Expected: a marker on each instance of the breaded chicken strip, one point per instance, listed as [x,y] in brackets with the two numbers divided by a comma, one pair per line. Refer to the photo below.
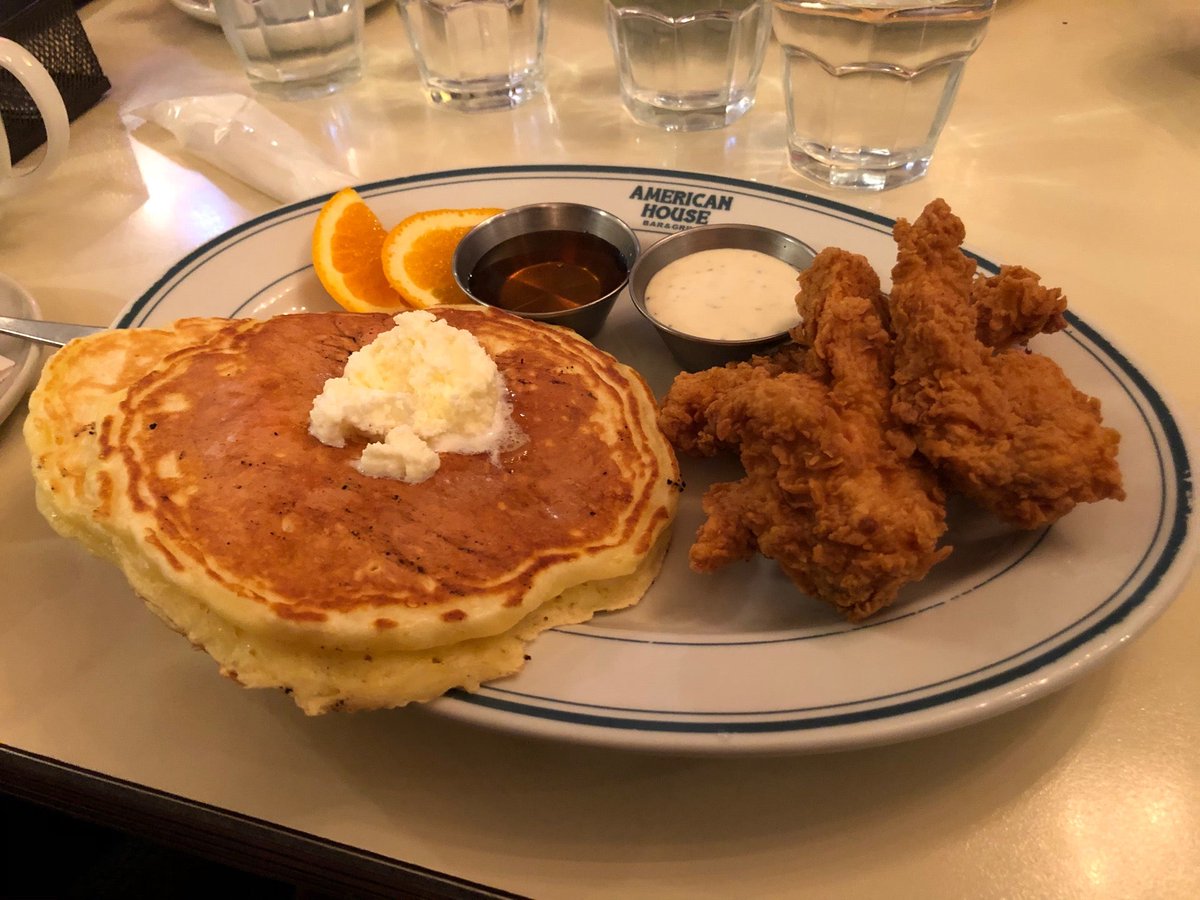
[1013,306]
[832,490]
[1005,428]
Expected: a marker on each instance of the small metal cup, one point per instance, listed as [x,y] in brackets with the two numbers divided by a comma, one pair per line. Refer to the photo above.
[695,353]
[541,217]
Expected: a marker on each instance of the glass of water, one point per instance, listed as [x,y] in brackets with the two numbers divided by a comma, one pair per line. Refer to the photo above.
[295,48]
[686,65]
[869,84]
[478,54]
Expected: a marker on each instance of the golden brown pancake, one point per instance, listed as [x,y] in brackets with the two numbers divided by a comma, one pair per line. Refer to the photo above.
[184,455]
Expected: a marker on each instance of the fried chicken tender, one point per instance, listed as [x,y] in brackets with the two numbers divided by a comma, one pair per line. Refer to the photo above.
[1006,428]
[832,490]
[1013,306]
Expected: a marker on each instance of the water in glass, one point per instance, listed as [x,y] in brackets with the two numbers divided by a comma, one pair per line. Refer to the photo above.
[688,66]
[296,48]
[869,84]
[478,54]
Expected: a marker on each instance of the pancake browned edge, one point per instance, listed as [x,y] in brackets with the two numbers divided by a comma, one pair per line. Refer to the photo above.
[183,455]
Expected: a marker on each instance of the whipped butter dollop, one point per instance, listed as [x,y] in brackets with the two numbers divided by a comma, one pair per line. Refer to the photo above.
[418,390]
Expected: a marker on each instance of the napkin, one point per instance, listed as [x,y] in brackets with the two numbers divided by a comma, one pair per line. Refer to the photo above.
[237,134]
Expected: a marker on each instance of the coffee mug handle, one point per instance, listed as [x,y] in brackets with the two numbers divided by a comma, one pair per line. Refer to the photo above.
[41,87]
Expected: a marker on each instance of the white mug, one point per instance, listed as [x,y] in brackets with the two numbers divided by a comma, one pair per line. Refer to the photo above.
[35,79]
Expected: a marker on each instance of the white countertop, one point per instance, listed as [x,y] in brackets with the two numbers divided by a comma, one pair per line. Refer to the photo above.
[1071,149]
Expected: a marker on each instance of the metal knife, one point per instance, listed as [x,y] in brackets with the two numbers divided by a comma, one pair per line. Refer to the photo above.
[53,333]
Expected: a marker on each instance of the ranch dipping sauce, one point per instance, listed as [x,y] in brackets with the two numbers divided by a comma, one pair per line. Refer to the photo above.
[725,295]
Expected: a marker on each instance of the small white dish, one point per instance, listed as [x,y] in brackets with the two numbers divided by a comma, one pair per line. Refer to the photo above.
[14,381]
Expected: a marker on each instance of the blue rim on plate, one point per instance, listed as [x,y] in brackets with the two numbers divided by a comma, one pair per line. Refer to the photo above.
[542,701]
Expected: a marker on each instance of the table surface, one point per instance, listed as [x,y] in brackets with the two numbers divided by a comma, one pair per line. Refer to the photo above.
[1071,150]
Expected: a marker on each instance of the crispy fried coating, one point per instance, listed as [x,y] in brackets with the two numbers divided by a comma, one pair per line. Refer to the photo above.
[1013,306]
[832,491]
[851,434]
[1006,428]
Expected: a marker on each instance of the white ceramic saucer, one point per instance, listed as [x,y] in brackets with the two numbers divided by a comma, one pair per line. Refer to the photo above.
[14,381]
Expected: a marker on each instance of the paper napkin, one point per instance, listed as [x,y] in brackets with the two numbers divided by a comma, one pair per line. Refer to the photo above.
[242,137]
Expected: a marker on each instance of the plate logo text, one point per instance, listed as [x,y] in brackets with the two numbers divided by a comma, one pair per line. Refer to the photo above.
[675,210]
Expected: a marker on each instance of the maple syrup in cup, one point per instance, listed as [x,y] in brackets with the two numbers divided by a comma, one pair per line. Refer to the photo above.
[548,271]
[561,263]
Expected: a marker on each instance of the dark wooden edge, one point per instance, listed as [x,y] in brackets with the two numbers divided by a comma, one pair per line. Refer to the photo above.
[222,836]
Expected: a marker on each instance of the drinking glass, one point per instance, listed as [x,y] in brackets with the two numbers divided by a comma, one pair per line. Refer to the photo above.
[478,54]
[869,84]
[688,66]
[295,48]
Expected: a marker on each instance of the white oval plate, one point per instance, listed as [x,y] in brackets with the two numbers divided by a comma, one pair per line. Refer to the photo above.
[26,355]
[740,661]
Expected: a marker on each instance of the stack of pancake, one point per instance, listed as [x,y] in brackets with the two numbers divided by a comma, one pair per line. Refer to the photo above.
[183,455]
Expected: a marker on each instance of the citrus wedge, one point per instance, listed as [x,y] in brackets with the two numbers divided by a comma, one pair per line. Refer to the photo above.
[347,240]
[417,254]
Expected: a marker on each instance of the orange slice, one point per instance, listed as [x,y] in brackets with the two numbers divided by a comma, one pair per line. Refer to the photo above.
[417,254]
[347,240]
